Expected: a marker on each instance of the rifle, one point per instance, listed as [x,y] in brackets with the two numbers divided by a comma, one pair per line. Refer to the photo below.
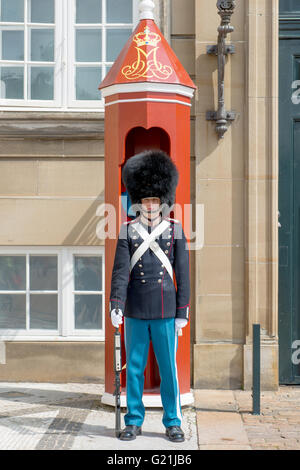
[118,369]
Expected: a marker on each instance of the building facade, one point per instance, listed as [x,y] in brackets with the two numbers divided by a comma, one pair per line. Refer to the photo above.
[52,186]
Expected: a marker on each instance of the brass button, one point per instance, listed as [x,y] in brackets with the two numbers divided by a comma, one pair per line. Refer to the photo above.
[161,273]
[140,259]
[166,251]
[143,280]
[134,237]
[168,244]
[170,236]
[136,244]
[170,229]
[162,265]
[140,265]
[158,280]
[142,274]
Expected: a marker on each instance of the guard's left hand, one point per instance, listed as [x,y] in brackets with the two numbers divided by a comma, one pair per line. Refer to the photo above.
[180,323]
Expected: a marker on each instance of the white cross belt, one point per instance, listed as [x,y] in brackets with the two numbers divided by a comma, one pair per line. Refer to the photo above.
[149,242]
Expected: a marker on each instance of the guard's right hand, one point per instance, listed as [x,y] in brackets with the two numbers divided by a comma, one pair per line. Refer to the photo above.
[116,318]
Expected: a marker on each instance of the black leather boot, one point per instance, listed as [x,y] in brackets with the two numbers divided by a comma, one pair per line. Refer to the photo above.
[130,432]
[175,433]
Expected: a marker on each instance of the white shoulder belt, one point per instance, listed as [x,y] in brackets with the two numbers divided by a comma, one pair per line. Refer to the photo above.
[149,242]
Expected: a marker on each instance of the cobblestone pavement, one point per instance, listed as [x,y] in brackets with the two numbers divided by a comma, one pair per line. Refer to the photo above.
[225,419]
[71,416]
[278,425]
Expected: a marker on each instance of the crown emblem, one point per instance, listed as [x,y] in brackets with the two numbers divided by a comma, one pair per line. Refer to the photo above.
[147,38]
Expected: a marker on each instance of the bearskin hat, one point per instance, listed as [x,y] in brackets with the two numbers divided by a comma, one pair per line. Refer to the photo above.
[151,173]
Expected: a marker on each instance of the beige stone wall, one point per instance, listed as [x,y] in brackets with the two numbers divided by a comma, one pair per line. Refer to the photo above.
[53,362]
[182,40]
[51,184]
[236,180]
[51,178]
[261,188]
[52,181]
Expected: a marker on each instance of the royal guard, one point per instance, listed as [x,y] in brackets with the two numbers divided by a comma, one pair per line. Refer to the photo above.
[149,249]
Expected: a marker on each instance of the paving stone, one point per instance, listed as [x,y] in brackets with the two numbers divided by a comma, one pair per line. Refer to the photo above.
[224,447]
[215,427]
[71,416]
[97,432]
[24,432]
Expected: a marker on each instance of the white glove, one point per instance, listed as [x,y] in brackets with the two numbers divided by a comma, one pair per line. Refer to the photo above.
[180,323]
[116,318]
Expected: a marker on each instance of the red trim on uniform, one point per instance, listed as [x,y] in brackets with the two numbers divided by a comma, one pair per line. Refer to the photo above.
[162,301]
[174,220]
[116,300]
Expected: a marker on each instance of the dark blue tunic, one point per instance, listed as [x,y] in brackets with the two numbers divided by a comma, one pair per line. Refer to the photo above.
[148,292]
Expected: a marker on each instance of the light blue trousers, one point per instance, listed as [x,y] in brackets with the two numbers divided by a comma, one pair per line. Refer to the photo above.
[165,342]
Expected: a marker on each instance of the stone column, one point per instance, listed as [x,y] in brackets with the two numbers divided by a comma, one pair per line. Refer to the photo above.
[261,188]
[162,15]
[219,265]
[237,181]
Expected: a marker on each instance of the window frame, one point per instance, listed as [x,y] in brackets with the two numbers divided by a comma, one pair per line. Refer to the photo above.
[71,65]
[64,65]
[65,287]
[26,63]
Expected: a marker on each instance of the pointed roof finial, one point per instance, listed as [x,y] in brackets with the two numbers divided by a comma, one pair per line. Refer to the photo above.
[146,8]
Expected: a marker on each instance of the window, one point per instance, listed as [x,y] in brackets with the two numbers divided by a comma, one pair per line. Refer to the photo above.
[29,56]
[58,293]
[55,53]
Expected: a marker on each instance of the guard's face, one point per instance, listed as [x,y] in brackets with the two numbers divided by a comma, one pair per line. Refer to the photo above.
[150,206]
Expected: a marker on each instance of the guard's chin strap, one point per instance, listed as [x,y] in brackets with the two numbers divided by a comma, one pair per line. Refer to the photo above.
[151,220]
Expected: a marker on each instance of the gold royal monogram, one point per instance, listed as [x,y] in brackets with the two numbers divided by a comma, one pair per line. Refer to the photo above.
[147,64]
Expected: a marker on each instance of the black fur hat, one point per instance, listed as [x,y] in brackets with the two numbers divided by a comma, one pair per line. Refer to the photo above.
[151,173]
